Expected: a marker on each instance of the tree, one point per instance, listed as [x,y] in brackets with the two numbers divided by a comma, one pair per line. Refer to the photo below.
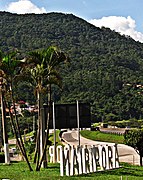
[4,122]
[106,65]
[45,72]
[11,68]
[37,74]
[54,58]
[134,138]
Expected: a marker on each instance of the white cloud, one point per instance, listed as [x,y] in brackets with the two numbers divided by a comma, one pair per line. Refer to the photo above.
[120,24]
[24,6]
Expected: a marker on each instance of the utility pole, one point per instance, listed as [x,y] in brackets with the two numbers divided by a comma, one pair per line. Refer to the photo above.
[5,136]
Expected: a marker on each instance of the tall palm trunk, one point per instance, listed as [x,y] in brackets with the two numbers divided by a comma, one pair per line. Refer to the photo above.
[49,116]
[17,131]
[37,144]
[38,132]
[21,147]
[41,134]
[5,136]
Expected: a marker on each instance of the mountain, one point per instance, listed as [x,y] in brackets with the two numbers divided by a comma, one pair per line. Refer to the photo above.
[106,68]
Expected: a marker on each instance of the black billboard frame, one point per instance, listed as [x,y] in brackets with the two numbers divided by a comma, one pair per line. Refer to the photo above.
[66,116]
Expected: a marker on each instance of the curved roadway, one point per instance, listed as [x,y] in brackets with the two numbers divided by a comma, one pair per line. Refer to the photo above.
[126,153]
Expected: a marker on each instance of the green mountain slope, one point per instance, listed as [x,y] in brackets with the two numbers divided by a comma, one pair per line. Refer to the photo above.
[106,68]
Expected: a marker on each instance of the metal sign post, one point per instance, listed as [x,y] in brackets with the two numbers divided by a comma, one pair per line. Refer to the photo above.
[54,127]
[78,124]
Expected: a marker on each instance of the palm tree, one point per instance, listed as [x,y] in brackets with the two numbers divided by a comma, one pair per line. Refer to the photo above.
[11,68]
[4,122]
[37,75]
[54,58]
[47,63]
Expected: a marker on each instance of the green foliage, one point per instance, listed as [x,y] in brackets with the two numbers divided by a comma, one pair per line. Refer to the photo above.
[131,123]
[30,148]
[96,124]
[105,69]
[51,138]
[26,123]
[134,138]
[24,91]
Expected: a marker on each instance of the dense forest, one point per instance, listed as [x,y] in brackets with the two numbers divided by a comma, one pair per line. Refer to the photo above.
[106,69]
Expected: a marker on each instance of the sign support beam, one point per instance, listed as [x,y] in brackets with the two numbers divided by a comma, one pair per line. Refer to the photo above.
[78,123]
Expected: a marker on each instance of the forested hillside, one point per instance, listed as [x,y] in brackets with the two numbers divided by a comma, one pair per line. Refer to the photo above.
[106,69]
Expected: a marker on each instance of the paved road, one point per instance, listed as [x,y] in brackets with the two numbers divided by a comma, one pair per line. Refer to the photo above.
[16,157]
[126,153]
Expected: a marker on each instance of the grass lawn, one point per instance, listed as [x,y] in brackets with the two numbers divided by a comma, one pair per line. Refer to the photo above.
[20,171]
[99,136]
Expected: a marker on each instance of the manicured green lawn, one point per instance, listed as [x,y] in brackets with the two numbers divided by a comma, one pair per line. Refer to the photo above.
[19,171]
[99,136]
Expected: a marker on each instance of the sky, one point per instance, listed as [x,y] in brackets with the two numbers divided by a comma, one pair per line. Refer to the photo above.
[123,16]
